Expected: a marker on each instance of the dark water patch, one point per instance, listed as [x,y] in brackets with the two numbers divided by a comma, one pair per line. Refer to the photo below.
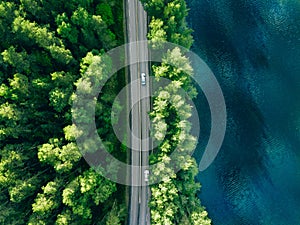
[253,48]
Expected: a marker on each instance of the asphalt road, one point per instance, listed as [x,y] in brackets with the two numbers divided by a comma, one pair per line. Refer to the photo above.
[136,19]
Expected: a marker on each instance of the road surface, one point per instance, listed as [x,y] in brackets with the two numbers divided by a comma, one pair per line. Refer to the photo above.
[136,20]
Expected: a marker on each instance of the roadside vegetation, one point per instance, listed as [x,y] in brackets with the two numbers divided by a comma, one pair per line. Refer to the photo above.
[45,48]
[174,200]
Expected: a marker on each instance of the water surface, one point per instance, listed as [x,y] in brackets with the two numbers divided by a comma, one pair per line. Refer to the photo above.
[253,48]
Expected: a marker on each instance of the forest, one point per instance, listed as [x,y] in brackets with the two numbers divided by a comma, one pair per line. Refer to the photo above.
[173,200]
[46,47]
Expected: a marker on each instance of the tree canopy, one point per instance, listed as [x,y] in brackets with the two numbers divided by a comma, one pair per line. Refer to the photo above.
[45,48]
[173,200]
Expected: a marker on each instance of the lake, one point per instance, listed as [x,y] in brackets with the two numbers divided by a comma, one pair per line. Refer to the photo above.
[253,48]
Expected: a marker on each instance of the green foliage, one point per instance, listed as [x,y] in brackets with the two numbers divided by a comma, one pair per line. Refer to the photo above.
[42,38]
[65,29]
[164,198]
[10,161]
[105,11]
[9,117]
[22,190]
[157,35]
[93,28]
[43,45]
[116,214]
[62,159]
[59,98]
[20,85]
[67,217]
[200,217]
[16,59]
[85,191]
[173,200]
[46,202]
[168,22]
[175,66]
[154,7]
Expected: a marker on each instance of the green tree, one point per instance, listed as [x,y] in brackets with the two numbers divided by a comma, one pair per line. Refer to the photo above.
[105,11]
[43,45]
[157,35]
[173,200]
[85,191]
[116,214]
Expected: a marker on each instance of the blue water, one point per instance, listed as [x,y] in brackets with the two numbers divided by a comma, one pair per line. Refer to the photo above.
[253,48]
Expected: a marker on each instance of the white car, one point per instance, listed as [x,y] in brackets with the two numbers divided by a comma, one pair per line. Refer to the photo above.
[146,173]
[143,79]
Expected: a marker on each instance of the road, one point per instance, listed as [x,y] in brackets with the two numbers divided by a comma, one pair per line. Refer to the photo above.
[136,20]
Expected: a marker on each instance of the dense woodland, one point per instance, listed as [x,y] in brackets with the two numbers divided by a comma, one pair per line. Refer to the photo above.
[46,47]
[173,200]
